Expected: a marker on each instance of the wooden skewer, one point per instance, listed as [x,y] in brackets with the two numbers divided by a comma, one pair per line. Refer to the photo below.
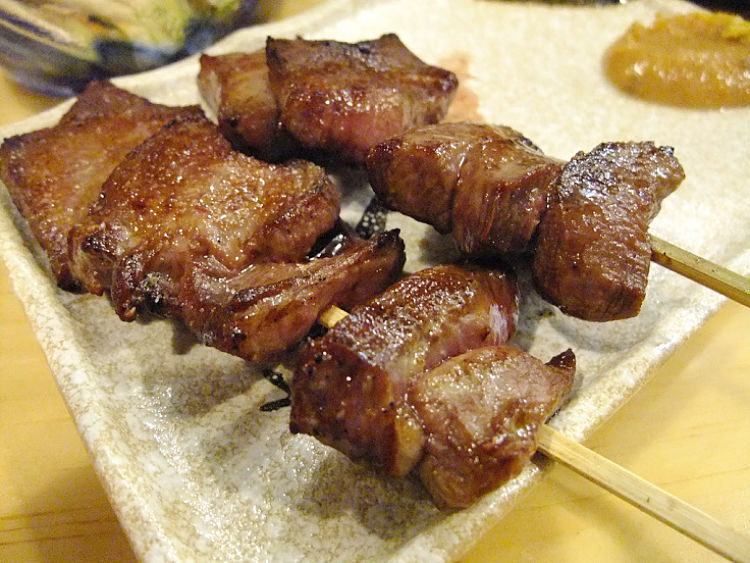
[699,269]
[331,316]
[637,491]
[642,494]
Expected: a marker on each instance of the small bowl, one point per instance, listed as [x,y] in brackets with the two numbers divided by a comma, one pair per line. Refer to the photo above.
[57,47]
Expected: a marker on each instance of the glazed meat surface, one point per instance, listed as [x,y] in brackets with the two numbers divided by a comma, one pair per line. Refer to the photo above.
[237,89]
[186,227]
[351,387]
[420,380]
[267,308]
[480,412]
[584,222]
[344,98]
[486,185]
[53,174]
[593,252]
[184,197]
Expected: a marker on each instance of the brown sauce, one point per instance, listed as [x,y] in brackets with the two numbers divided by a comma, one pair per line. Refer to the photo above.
[465,105]
[698,60]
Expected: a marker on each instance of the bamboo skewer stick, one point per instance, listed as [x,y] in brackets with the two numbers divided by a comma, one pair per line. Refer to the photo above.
[331,316]
[637,491]
[700,270]
[644,495]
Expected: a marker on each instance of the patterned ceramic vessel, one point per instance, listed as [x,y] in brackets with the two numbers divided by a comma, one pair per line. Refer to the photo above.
[57,46]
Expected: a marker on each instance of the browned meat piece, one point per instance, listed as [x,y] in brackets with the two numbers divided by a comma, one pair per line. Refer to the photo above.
[418,380]
[186,227]
[54,174]
[268,308]
[344,98]
[480,412]
[489,188]
[593,253]
[184,196]
[236,88]
[351,387]
[487,185]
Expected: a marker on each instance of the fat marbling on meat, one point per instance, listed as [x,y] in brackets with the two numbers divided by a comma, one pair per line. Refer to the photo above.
[375,385]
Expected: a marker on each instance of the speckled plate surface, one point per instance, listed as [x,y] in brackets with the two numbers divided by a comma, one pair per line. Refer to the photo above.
[196,472]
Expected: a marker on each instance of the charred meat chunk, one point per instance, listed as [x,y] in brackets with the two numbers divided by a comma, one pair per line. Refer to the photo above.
[343,98]
[419,380]
[593,252]
[236,88]
[585,222]
[486,185]
[184,196]
[480,412]
[54,174]
[179,224]
[267,308]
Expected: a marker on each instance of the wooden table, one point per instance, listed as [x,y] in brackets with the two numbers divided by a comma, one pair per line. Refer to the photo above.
[687,430]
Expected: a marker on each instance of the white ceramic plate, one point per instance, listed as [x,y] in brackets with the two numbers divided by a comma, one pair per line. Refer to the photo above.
[196,472]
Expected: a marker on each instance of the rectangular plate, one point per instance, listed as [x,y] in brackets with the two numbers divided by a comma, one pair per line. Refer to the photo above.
[196,472]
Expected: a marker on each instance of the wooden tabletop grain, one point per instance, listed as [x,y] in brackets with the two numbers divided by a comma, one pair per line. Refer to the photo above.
[687,430]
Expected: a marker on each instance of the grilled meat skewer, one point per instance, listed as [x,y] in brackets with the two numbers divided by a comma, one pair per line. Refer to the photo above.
[584,221]
[154,207]
[419,379]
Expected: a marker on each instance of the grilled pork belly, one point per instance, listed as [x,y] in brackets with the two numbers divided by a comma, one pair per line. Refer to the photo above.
[480,412]
[236,87]
[184,196]
[266,308]
[593,253]
[486,185]
[343,98]
[53,174]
